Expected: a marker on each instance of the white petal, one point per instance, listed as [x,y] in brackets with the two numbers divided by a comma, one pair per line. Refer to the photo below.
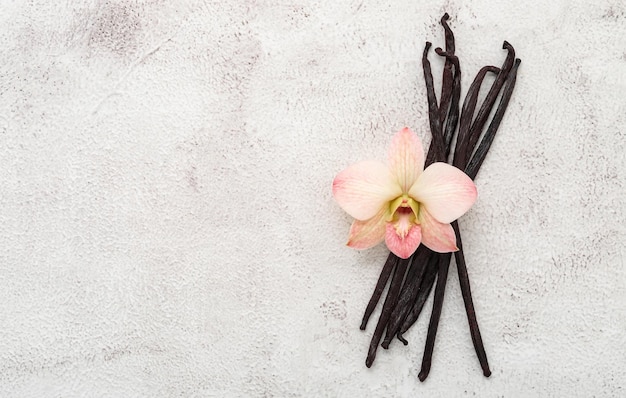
[406,158]
[445,191]
[437,236]
[366,234]
[364,188]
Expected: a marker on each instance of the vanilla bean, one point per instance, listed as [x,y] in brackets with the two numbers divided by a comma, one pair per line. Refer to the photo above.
[485,143]
[487,105]
[472,170]
[390,264]
[462,152]
[414,278]
[436,151]
[411,288]
[440,290]
[453,114]
[447,84]
[408,292]
[466,292]
[449,35]
[424,291]
[390,303]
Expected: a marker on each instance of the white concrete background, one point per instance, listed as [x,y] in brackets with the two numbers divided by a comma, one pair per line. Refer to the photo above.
[166,222]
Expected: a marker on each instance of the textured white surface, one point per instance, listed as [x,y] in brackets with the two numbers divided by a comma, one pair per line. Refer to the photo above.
[166,223]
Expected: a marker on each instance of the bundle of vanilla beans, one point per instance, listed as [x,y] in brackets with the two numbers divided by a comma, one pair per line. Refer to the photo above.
[412,279]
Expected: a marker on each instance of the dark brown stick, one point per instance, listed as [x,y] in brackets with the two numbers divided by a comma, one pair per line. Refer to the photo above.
[424,291]
[469,133]
[452,120]
[472,170]
[487,105]
[463,151]
[408,293]
[391,262]
[446,81]
[485,143]
[454,89]
[467,113]
[469,304]
[405,300]
[436,151]
[440,290]
[390,303]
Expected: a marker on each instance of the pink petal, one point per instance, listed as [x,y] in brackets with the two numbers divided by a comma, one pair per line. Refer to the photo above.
[437,236]
[365,234]
[406,158]
[403,247]
[364,188]
[445,191]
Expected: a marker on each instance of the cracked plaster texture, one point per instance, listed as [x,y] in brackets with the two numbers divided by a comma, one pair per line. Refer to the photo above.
[167,226]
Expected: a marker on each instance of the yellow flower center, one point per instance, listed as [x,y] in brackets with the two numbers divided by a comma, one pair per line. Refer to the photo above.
[402,214]
[403,204]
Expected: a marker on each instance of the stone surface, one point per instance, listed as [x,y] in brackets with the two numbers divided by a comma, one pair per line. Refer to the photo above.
[166,222]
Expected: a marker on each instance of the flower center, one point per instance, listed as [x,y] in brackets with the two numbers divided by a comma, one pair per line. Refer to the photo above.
[404,221]
[404,205]
[403,215]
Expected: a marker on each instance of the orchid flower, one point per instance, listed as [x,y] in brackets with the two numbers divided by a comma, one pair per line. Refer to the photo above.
[402,203]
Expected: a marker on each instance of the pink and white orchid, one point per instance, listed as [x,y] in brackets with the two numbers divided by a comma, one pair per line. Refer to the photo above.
[402,203]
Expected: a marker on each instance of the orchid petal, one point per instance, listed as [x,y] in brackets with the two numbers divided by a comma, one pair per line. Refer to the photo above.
[365,234]
[406,158]
[364,188]
[403,247]
[438,237]
[445,191]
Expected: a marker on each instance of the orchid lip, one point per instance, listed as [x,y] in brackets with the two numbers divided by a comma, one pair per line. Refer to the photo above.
[403,202]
